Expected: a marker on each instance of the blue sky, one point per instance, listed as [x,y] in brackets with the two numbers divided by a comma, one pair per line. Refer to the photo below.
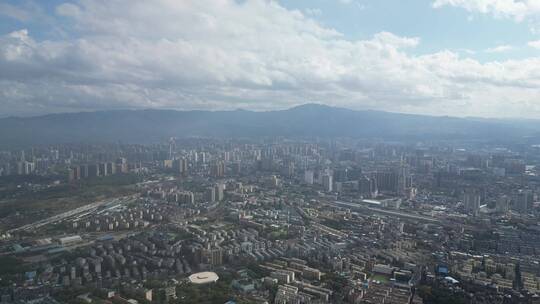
[435,57]
[449,28]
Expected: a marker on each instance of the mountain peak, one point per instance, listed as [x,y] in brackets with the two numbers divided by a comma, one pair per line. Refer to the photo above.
[311,106]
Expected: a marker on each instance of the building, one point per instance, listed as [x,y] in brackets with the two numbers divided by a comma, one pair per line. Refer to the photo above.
[523,201]
[218,169]
[210,194]
[328,183]
[308,177]
[471,200]
[502,204]
[219,191]
[70,240]
[206,277]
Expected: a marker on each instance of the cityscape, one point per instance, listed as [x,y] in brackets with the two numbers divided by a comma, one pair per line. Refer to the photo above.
[269,152]
[270,221]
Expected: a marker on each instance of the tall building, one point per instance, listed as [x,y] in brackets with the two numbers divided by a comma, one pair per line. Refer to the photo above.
[184,166]
[328,183]
[308,177]
[219,191]
[103,169]
[502,204]
[25,168]
[471,200]
[367,187]
[111,168]
[75,173]
[122,165]
[202,157]
[387,181]
[218,169]
[210,194]
[523,201]
[396,180]
[186,197]
[93,170]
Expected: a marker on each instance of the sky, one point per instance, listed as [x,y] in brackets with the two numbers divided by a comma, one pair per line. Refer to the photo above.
[436,57]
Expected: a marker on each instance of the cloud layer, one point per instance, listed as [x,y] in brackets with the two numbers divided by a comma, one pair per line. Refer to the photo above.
[224,54]
[516,9]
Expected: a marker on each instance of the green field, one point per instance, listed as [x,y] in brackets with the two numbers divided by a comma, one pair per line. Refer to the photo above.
[381,278]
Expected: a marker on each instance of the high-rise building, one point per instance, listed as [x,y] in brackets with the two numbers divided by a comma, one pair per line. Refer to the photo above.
[202,157]
[328,183]
[122,165]
[103,169]
[111,168]
[184,166]
[218,169]
[93,170]
[219,192]
[523,201]
[367,187]
[210,194]
[502,204]
[395,181]
[75,173]
[471,200]
[25,168]
[186,197]
[308,177]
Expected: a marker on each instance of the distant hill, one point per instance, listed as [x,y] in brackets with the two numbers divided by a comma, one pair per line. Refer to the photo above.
[310,120]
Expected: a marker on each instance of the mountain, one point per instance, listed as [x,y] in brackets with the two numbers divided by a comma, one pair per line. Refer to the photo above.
[310,120]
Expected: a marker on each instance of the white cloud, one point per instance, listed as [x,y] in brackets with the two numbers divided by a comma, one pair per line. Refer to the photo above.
[516,9]
[500,49]
[534,44]
[209,54]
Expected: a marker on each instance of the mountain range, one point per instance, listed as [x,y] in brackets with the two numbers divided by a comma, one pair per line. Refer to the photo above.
[310,120]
